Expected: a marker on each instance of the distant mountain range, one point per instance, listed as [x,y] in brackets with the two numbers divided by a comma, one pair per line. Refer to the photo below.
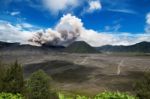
[6,44]
[142,47]
[77,47]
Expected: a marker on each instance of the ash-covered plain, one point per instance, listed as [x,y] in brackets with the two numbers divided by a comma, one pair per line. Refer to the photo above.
[87,73]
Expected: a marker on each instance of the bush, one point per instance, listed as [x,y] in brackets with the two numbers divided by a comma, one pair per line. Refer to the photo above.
[142,87]
[63,96]
[10,96]
[11,78]
[104,95]
[39,85]
[113,95]
[13,81]
[2,75]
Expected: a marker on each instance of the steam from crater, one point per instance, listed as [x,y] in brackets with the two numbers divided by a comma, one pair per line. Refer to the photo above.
[66,31]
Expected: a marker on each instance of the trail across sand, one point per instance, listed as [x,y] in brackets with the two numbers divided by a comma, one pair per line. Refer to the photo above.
[119,66]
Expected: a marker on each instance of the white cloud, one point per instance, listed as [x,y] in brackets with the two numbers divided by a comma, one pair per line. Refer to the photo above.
[60,5]
[69,23]
[128,11]
[27,25]
[15,13]
[94,5]
[56,6]
[148,18]
[95,38]
[147,27]
[11,33]
[114,28]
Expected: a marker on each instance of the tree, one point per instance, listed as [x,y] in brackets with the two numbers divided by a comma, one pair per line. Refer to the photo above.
[39,85]
[2,75]
[13,81]
[142,87]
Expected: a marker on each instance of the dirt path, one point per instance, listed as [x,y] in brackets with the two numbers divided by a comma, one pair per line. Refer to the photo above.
[119,66]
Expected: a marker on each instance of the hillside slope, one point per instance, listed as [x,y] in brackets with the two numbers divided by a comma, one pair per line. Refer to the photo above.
[80,47]
[142,47]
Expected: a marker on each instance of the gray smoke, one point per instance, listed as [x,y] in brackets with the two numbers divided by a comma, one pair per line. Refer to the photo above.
[66,31]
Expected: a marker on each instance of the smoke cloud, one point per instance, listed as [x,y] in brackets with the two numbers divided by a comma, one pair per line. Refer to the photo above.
[66,31]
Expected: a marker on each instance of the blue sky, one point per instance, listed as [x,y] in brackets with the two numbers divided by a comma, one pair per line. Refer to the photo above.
[123,19]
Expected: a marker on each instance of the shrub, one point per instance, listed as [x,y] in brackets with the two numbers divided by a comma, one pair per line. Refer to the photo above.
[63,96]
[2,75]
[12,80]
[39,85]
[104,95]
[10,96]
[142,87]
[114,95]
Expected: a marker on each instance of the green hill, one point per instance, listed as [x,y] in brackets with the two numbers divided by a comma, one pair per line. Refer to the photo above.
[80,47]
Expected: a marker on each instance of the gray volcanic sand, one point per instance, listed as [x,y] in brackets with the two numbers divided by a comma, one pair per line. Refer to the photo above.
[84,73]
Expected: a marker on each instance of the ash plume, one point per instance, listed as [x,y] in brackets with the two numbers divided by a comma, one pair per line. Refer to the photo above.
[66,31]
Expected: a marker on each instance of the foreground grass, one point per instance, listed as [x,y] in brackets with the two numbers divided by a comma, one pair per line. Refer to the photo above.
[10,96]
[104,95]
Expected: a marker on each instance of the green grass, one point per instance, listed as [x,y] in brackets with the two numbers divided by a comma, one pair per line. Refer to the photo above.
[103,95]
[10,96]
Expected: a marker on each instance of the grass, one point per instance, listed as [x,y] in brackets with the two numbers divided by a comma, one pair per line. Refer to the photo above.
[103,95]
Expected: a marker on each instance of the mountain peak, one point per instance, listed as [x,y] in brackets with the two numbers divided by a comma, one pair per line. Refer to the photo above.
[80,47]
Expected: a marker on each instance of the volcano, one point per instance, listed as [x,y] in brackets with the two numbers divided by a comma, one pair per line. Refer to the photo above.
[80,47]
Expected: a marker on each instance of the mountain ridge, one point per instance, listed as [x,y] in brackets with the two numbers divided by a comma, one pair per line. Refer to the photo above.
[143,47]
[78,47]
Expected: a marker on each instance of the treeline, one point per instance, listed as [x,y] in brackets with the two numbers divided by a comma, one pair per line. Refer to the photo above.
[38,86]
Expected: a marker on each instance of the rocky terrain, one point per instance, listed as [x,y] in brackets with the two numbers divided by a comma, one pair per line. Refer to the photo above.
[80,72]
[83,72]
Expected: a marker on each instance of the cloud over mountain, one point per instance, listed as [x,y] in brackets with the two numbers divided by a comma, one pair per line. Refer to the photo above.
[12,33]
[71,28]
[68,29]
